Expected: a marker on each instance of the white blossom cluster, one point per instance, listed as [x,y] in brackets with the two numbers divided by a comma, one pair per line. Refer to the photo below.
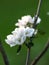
[24,30]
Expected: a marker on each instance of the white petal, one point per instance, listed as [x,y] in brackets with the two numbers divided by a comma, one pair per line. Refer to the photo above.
[7,41]
[23,39]
[11,43]
[10,37]
[24,20]
[38,20]
[27,18]
[29,32]
[17,24]
[19,35]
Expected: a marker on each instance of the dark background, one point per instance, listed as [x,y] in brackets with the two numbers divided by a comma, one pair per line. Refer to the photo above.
[10,12]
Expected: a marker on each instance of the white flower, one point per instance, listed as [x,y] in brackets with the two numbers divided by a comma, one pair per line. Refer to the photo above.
[24,31]
[17,37]
[27,19]
[20,32]
[24,20]
[15,40]
[21,23]
[29,31]
[20,40]
[10,40]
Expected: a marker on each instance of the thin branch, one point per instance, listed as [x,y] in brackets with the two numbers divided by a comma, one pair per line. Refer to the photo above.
[3,54]
[38,9]
[34,62]
[34,26]
[37,13]
[28,56]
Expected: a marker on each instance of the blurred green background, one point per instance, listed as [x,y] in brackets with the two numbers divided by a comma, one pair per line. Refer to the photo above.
[10,12]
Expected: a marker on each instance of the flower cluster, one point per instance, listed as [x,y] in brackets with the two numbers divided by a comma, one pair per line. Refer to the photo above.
[24,30]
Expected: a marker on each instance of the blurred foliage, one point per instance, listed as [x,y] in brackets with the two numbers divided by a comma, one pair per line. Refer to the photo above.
[10,12]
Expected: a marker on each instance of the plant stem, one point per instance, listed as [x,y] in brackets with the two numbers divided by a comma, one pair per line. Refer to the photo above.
[37,13]
[28,56]
[38,9]
[34,26]
[4,54]
[34,62]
